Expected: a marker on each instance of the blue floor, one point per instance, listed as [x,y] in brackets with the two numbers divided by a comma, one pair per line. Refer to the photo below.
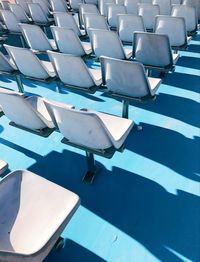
[144,204]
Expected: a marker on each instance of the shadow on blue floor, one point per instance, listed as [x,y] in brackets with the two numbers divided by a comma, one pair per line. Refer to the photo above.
[190,62]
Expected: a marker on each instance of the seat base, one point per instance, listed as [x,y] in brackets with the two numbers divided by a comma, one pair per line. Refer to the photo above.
[45,132]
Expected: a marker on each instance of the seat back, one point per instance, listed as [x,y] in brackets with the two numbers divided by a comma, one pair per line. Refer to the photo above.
[19,13]
[125,77]
[37,13]
[18,110]
[5,65]
[66,20]
[81,127]
[103,6]
[35,37]
[152,49]
[71,70]
[87,9]
[113,11]
[195,4]
[27,62]
[174,27]
[148,12]
[58,6]
[95,21]
[11,21]
[132,6]
[24,5]
[106,43]
[164,5]
[127,24]
[44,6]
[67,41]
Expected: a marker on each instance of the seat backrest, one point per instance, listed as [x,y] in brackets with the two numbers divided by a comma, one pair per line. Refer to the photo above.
[27,62]
[24,5]
[132,6]
[195,4]
[95,21]
[127,24]
[87,9]
[19,13]
[189,14]
[106,43]
[126,78]
[35,37]
[58,6]
[44,6]
[5,65]
[18,110]
[67,41]
[37,13]
[71,70]
[103,6]
[11,21]
[174,27]
[66,20]
[113,11]
[152,49]
[81,127]
[148,12]
[164,5]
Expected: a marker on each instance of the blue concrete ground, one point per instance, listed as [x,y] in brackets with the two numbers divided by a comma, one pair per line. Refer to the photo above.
[144,205]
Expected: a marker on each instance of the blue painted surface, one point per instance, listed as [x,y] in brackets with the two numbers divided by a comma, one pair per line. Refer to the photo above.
[144,205]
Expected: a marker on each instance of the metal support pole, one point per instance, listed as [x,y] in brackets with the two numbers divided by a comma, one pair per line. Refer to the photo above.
[125,108]
[88,178]
[19,83]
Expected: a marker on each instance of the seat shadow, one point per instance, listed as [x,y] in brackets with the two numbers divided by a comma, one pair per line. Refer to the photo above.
[190,62]
[194,48]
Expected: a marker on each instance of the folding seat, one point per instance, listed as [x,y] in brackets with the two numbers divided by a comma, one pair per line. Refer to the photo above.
[3,164]
[4,5]
[36,38]
[28,113]
[67,20]
[189,14]
[154,51]
[95,21]
[87,9]
[103,6]
[68,66]
[34,212]
[68,42]
[175,28]
[19,13]
[127,80]
[164,5]
[11,22]
[59,6]
[93,132]
[132,6]
[30,66]
[8,68]
[108,43]
[148,13]
[127,24]
[195,4]
[113,11]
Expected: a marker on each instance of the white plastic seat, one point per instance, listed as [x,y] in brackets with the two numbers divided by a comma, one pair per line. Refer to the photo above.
[164,5]
[127,24]
[93,132]
[44,5]
[154,51]
[38,16]
[19,13]
[34,212]
[127,80]
[74,73]
[108,43]
[175,28]
[29,113]
[59,6]
[95,21]
[113,11]
[11,21]
[132,6]
[24,5]
[68,42]
[189,14]
[87,9]
[36,38]
[103,6]
[3,164]
[30,65]
[195,4]
[148,13]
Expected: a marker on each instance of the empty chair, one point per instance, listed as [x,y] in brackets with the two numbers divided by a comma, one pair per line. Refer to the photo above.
[30,65]
[164,5]
[24,5]
[44,5]
[103,6]
[189,14]
[34,211]
[113,11]
[59,6]
[29,113]
[95,21]
[175,28]
[36,38]
[132,6]
[67,20]
[68,42]
[3,164]
[127,24]
[195,4]
[154,51]
[127,80]
[93,132]
[74,73]
[149,13]
[87,9]
[19,13]
[38,16]
[108,43]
